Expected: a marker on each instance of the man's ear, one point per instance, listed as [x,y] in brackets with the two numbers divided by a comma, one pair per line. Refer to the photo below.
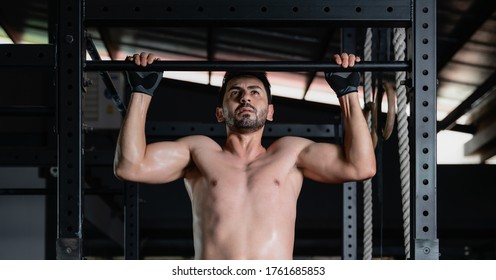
[270,112]
[219,114]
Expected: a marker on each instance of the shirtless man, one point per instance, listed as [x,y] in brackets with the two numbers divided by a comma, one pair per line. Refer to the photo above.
[243,195]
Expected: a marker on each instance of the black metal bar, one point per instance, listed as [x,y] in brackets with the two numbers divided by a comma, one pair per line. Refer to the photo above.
[91,48]
[26,110]
[342,13]
[50,216]
[27,191]
[180,129]
[131,212]
[69,130]
[31,55]
[43,191]
[274,66]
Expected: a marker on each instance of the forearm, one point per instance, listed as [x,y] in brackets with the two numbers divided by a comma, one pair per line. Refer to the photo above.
[131,143]
[358,147]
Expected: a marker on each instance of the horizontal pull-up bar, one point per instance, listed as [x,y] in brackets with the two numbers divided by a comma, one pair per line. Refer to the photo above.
[274,66]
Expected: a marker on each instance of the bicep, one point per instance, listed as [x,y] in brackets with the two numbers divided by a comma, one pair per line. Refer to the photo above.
[322,162]
[164,162]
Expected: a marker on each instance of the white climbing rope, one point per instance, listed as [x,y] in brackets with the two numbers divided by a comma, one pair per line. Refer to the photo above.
[403,144]
[367,184]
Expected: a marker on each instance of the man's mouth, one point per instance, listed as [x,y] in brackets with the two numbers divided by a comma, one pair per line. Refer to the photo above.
[245,108]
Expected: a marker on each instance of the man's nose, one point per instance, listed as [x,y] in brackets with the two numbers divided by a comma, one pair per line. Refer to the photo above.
[245,97]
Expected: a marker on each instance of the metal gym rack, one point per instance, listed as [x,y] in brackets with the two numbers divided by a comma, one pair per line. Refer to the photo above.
[67,45]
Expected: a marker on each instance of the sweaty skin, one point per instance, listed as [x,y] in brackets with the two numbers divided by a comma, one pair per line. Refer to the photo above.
[243,195]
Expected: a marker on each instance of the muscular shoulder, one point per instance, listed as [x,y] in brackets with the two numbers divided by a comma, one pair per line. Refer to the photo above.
[199,141]
[291,144]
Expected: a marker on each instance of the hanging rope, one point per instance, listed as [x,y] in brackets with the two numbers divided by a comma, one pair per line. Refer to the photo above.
[403,145]
[367,184]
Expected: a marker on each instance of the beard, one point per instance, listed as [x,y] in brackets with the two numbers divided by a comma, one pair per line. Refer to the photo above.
[244,123]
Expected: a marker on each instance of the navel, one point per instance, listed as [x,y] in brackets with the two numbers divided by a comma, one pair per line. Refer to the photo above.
[213,183]
[277,182]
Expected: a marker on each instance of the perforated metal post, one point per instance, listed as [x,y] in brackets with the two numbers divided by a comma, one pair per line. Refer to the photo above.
[422,52]
[131,211]
[348,39]
[350,221]
[69,129]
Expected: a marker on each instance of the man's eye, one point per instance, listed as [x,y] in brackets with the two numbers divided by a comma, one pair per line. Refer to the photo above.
[255,92]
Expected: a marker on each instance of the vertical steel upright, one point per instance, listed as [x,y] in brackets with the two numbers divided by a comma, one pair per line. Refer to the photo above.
[131,220]
[69,69]
[350,232]
[422,52]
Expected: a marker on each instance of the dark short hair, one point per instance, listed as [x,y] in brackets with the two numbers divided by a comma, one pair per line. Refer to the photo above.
[262,76]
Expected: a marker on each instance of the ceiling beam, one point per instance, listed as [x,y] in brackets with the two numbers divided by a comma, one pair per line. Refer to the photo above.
[321,54]
[107,41]
[482,143]
[14,34]
[473,19]
[211,50]
[449,121]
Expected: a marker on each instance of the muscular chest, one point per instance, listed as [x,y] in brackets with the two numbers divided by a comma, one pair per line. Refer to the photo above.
[221,174]
[266,168]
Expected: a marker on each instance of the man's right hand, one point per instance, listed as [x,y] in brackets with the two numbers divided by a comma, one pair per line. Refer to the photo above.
[144,82]
[344,82]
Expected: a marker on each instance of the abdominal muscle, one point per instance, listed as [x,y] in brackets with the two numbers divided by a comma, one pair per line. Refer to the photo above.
[247,220]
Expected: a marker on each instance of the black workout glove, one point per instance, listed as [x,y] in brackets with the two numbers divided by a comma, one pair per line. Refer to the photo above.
[145,82]
[343,82]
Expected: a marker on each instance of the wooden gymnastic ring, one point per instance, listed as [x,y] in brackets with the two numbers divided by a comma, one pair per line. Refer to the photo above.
[391,113]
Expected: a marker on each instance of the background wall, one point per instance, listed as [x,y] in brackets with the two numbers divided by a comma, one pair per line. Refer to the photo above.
[22,218]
